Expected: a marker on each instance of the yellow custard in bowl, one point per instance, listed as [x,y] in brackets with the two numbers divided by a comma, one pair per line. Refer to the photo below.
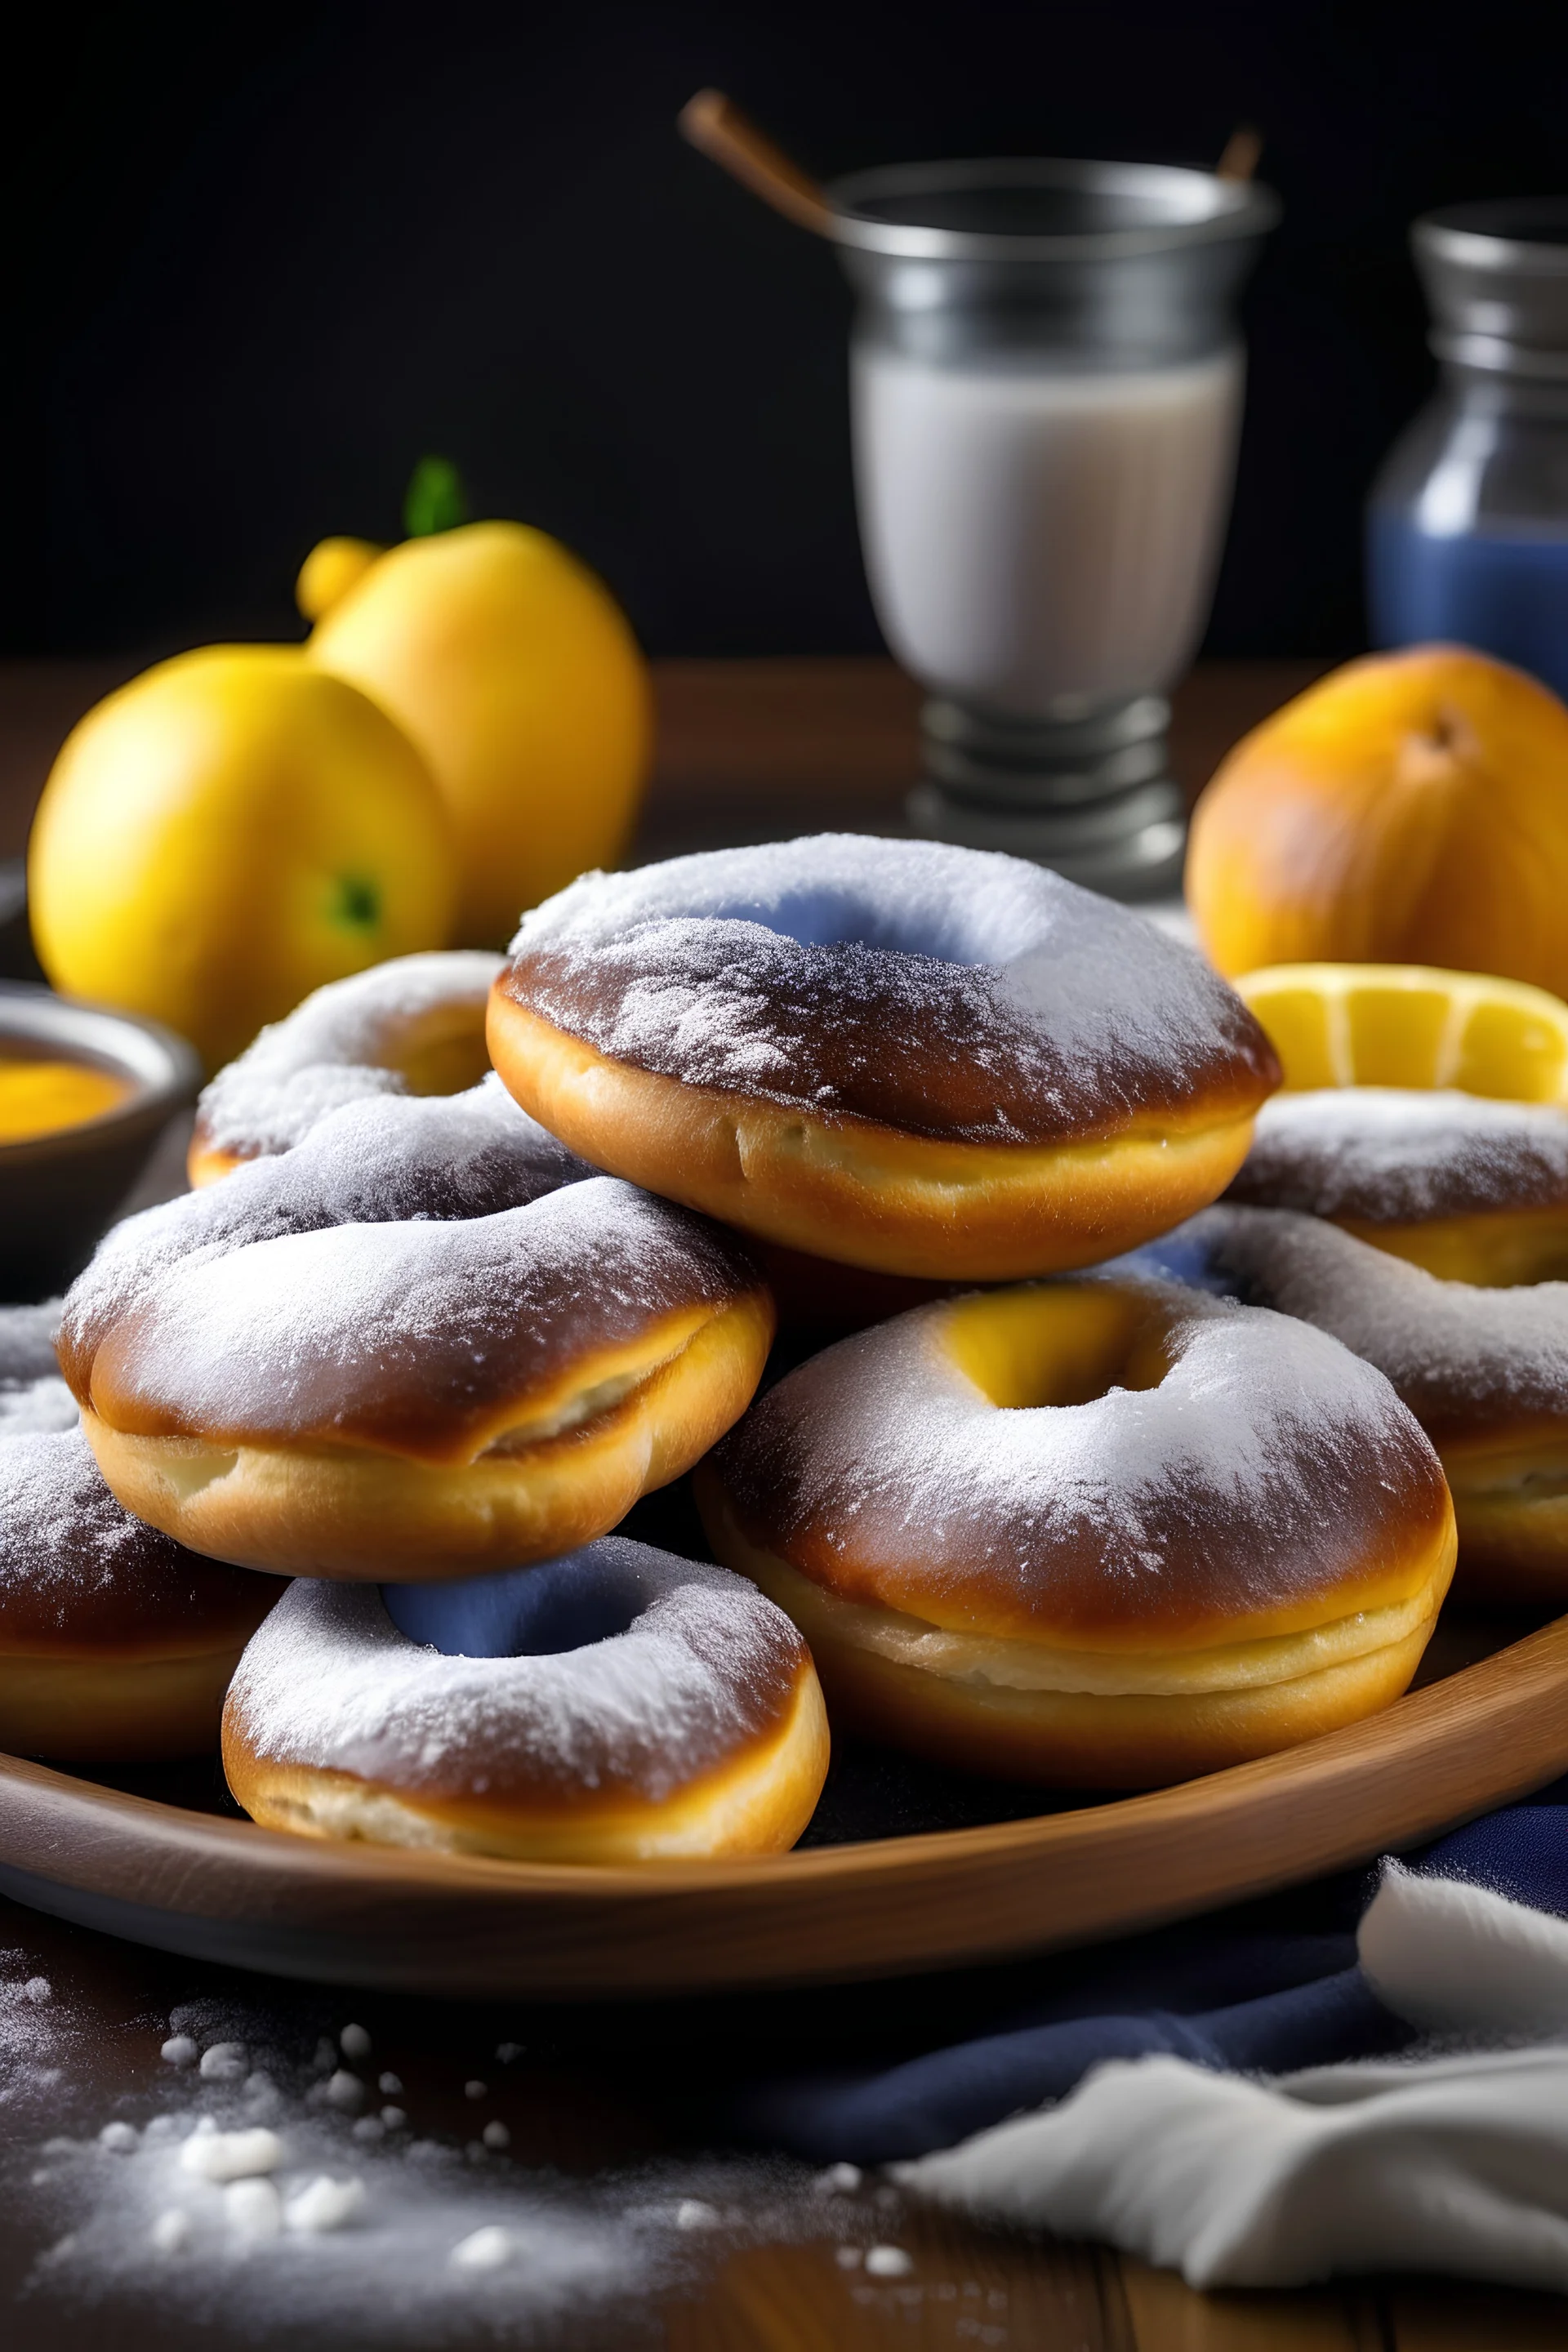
[39,1097]
[86,1094]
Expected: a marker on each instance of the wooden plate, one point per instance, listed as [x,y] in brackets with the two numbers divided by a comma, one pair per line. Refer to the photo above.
[224,1890]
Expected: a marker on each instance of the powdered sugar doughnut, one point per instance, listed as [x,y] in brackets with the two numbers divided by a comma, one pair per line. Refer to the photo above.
[1108,1532]
[443,1387]
[925,1060]
[1466,1186]
[415,1025]
[114,1642]
[1484,1369]
[373,1162]
[615,1705]
[94,1611]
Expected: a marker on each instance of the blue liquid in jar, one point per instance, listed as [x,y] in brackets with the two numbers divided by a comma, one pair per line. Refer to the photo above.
[1505,592]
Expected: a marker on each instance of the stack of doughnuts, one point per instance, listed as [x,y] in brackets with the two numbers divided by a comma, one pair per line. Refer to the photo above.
[422,1337]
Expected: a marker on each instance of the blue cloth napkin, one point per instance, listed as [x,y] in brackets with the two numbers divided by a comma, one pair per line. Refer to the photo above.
[1235,2001]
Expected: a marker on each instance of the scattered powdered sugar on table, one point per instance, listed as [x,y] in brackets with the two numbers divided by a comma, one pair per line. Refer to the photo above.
[261,2209]
[1455,1351]
[950,990]
[316,2228]
[332,1049]
[37,2039]
[1139,1510]
[1390,1155]
[706,1664]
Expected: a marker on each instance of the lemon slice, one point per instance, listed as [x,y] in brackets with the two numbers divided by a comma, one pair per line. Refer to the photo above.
[1408,1024]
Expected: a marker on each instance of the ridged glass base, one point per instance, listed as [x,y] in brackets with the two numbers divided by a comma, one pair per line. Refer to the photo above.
[1090,797]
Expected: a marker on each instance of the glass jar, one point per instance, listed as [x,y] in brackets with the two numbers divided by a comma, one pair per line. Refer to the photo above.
[1467,522]
[1046,380]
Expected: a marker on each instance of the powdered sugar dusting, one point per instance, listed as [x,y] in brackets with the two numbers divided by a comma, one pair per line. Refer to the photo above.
[61,1530]
[34,1407]
[940,989]
[705,1664]
[27,1342]
[411,1332]
[137,2246]
[77,1571]
[1131,1518]
[33,1397]
[1390,1155]
[333,1049]
[1456,1353]
[438,1158]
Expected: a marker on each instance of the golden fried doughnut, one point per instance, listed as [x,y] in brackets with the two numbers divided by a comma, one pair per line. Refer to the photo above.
[1109,1532]
[114,1642]
[1471,1187]
[615,1705]
[415,1025]
[412,1344]
[1483,1369]
[923,1060]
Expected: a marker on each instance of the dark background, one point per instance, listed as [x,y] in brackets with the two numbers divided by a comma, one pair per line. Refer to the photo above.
[260,260]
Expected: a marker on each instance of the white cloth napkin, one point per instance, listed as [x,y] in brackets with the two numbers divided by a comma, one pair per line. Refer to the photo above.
[1455,2159]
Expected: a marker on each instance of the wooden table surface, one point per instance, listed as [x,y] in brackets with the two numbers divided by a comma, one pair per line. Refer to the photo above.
[749,750]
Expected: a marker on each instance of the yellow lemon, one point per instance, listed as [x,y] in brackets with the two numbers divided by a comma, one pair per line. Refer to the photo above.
[329,570]
[515,672]
[1377,1024]
[226,832]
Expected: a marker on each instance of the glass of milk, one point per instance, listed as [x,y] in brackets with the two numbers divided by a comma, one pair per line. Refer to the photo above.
[1047,385]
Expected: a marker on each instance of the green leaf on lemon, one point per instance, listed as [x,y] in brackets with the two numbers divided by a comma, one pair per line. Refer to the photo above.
[434,499]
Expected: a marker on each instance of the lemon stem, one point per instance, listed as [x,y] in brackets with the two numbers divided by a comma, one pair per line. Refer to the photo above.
[434,498]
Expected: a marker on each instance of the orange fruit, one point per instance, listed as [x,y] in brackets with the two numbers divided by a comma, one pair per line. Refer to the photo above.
[1411,809]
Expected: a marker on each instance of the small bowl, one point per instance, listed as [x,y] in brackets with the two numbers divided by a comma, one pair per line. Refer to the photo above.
[58,1190]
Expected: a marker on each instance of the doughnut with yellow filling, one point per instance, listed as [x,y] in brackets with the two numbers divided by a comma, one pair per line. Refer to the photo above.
[922,1060]
[615,1705]
[1109,1532]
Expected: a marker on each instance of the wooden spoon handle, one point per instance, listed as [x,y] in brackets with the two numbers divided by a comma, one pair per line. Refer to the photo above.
[1241,154]
[716,126]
